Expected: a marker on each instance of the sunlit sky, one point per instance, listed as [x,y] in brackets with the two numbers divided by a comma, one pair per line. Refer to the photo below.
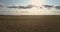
[32,11]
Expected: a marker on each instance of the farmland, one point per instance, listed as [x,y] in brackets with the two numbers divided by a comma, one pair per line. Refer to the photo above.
[30,23]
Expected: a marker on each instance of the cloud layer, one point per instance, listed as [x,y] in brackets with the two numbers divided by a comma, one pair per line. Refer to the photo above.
[57,7]
[1,5]
[30,6]
[11,6]
[26,7]
[48,6]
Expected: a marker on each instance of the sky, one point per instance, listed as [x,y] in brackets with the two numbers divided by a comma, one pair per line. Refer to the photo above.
[26,4]
[12,2]
[52,2]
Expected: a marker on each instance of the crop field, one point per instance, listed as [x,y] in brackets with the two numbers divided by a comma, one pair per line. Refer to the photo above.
[30,23]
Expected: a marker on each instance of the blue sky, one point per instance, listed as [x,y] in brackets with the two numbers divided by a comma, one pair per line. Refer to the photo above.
[52,2]
[12,2]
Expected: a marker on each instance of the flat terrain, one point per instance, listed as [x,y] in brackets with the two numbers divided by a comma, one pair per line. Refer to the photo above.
[28,23]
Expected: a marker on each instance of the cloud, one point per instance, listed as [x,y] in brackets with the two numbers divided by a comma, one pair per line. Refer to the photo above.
[1,5]
[26,7]
[41,7]
[57,7]
[21,7]
[48,6]
[12,7]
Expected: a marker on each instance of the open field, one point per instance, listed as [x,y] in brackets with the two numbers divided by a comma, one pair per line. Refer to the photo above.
[28,23]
